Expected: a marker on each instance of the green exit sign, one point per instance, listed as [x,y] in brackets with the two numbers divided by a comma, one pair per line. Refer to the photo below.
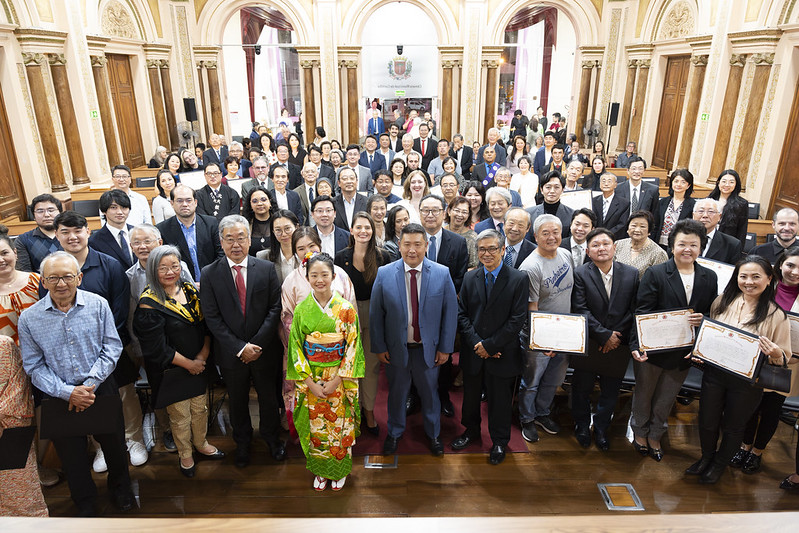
[94,114]
[704,116]
[399,94]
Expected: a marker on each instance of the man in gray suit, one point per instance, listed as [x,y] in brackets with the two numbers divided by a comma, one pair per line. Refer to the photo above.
[260,168]
[363,173]
[307,190]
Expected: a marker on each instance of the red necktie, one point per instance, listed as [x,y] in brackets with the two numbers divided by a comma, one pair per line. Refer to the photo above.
[422,146]
[240,288]
[417,337]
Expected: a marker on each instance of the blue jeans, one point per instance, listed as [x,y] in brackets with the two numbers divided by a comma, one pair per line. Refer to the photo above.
[541,377]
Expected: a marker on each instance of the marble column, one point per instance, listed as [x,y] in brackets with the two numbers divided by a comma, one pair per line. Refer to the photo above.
[489,121]
[352,100]
[445,128]
[106,113]
[582,102]
[169,105]
[44,120]
[640,96]
[309,103]
[692,100]
[626,106]
[757,95]
[202,103]
[594,115]
[158,102]
[726,120]
[216,101]
[69,122]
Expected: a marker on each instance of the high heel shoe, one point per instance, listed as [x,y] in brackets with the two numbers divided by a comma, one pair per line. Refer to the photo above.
[187,471]
[643,449]
[656,454]
[787,484]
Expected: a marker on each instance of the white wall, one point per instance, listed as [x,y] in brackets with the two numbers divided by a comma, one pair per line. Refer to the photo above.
[236,78]
[560,78]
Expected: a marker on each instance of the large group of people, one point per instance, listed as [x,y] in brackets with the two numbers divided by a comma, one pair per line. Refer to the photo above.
[301,270]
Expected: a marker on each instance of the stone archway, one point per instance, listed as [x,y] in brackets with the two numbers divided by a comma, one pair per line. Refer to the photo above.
[215,15]
[360,12]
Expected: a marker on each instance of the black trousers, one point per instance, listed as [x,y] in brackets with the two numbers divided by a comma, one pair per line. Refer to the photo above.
[78,465]
[499,393]
[262,374]
[763,424]
[582,387]
[726,404]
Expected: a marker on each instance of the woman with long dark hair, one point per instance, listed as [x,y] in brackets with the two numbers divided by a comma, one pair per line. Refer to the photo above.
[475,193]
[162,204]
[678,205]
[258,208]
[398,217]
[727,400]
[283,225]
[734,208]
[518,149]
[591,180]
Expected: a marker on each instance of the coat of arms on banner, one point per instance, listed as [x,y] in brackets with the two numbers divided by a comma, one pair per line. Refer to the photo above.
[400,68]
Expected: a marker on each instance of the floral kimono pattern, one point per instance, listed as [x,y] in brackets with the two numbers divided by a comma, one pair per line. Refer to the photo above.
[323,344]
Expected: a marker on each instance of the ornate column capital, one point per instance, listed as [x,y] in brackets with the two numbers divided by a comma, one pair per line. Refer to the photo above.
[644,63]
[34,58]
[348,63]
[57,59]
[163,63]
[98,61]
[210,65]
[763,59]
[153,63]
[490,63]
[699,60]
[307,63]
[449,63]
[632,64]
[589,64]
[738,60]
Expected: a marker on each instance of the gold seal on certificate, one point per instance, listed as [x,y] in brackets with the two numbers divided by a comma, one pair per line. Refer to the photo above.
[728,348]
[723,271]
[553,332]
[793,318]
[666,330]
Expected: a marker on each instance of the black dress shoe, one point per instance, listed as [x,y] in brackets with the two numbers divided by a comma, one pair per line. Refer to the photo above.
[497,454]
[124,500]
[787,484]
[739,458]
[601,440]
[699,467]
[437,447]
[188,472]
[390,445]
[583,436]
[752,464]
[447,409]
[656,454]
[216,456]
[712,475]
[463,441]
[278,450]
[643,449]
[242,457]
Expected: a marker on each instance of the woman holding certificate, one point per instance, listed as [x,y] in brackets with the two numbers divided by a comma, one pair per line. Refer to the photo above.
[728,400]
[660,364]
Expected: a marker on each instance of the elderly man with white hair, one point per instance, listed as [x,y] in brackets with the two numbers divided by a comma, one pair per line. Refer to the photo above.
[720,246]
[493,138]
[498,201]
[407,148]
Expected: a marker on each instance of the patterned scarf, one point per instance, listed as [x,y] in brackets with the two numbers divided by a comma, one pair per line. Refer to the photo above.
[191,311]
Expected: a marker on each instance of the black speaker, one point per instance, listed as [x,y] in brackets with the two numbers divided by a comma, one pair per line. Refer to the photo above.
[613,114]
[191,109]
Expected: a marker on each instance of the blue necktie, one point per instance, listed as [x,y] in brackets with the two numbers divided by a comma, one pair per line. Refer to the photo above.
[431,250]
[489,283]
[508,259]
[501,229]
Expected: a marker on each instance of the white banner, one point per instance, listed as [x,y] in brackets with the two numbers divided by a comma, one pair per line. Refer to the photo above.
[415,71]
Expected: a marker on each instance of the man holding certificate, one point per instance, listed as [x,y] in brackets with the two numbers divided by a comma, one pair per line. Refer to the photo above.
[604,291]
[549,270]
[728,400]
[679,283]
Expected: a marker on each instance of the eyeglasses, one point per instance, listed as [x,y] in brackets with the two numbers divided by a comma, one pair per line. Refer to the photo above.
[55,280]
[165,269]
[324,211]
[490,250]
[49,211]
[183,200]
[279,232]
[237,240]
[213,173]
[706,212]
[146,242]
[120,176]
[427,212]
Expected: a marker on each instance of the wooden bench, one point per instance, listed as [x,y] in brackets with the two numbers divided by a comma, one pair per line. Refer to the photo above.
[18,227]
[94,194]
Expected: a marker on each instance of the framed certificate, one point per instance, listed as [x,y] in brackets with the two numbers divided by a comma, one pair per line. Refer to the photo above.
[793,318]
[723,271]
[553,332]
[730,349]
[194,179]
[665,330]
[577,199]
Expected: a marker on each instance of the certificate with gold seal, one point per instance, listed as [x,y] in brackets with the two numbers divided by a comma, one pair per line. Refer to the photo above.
[554,332]
[730,349]
[664,330]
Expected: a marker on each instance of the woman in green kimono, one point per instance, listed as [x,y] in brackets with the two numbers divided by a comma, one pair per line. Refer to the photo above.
[325,360]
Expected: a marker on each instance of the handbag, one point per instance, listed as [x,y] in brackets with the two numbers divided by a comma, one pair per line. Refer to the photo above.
[775,377]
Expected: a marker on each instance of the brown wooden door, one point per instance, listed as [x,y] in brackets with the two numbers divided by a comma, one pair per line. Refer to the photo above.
[12,194]
[121,81]
[786,185]
[671,111]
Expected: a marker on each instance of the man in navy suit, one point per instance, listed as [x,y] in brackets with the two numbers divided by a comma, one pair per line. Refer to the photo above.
[349,201]
[414,314]
[295,173]
[370,158]
[114,237]
[612,211]
[376,124]
[720,246]
[216,153]
[605,292]
[543,157]
[498,201]
[517,248]
[583,222]
[334,238]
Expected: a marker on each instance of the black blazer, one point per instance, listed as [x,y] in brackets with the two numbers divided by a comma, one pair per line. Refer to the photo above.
[618,213]
[648,200]
[605,315]
[222,311]
[566,244]
[341,213]
[207,233]
[103,241]
[342,238]
[430,152]
[661,289]
[526,249]
[453,253]
[467,159]
[295,204]
[735,218]
[687,211]
[496,321]
[724,248]
[396,145]
[209,156]
[230,204]
[295,174]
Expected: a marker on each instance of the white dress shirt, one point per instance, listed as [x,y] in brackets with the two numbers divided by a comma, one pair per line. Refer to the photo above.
[328,242]
[115,232]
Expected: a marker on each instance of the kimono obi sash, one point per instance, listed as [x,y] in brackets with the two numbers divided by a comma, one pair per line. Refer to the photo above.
[321,348]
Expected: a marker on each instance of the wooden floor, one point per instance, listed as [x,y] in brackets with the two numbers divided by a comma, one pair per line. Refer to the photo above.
[556,478]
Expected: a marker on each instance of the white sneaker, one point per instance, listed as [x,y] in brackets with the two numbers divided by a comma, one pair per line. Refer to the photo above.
[99,462]
[137,452]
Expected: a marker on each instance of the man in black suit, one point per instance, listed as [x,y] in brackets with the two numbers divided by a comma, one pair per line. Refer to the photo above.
[425,145]
[395,139]
[612,211]
[195,235]
[349,201]
[642,195]
[114,237]
[322,171]
[720,246]
[493,136]
[463,156]
[517,248]
[605,292]
[295,174]
[370,158]
[216,153]
[583,222]
[785,224]
[242,310]
[217,199]
[334,239]
[492,310]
